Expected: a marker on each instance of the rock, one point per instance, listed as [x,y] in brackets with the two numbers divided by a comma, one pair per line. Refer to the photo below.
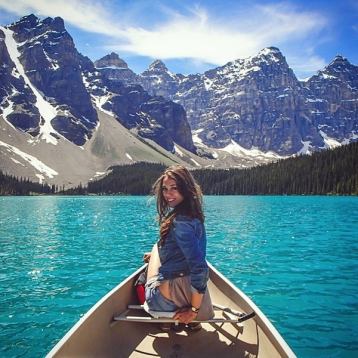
[52,64]
[259,103]
[17,102]
[114,68]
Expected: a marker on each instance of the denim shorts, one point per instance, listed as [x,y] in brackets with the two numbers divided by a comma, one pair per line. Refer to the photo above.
[155,300]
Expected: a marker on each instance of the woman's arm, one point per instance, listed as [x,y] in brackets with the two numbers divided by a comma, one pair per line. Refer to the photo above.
[196,299]
[193,252]
[187,314]
[195,256]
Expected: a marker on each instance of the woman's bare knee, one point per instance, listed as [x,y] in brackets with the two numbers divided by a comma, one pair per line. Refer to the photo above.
[154,262]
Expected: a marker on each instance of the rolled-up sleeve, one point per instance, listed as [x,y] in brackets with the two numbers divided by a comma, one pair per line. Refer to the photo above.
[194,253]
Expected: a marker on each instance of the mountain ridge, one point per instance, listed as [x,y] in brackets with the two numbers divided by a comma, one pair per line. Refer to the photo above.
[276,111]
[54,100]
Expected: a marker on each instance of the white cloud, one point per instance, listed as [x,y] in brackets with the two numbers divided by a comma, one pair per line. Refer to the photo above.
[306,65]
[191,37]
[198,35]
[87,15]
[281,22]
[206,38]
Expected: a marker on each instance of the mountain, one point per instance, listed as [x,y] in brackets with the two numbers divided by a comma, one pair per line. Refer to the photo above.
[40,56]
[64,122]
[257,103]
[62,85]
[332,99]
[150,117]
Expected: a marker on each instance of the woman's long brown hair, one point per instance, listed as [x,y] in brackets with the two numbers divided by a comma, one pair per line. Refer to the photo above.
[192,198]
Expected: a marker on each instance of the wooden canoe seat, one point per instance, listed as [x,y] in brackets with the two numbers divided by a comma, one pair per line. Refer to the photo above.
[147,316]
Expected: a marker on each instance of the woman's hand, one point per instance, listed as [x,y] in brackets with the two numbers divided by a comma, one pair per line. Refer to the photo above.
[185,315]
[146,257]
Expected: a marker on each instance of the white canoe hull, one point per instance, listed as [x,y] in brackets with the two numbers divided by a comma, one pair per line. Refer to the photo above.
[96,335]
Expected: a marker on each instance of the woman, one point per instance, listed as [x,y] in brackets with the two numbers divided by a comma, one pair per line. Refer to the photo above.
[177,270]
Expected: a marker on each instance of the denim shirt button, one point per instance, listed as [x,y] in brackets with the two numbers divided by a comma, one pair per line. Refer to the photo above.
[181,274]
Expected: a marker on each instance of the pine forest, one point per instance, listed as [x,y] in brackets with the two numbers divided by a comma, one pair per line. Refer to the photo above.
[329,172]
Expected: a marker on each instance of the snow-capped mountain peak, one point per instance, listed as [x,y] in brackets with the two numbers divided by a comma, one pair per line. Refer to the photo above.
[270,51]
[157,66]
[257,102]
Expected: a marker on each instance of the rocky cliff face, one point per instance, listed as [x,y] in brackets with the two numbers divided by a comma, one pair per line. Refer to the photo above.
[50,90]
[259,103]
[45,58]
[63,122]
[159,81]
[252,102]
[332,100]
[155,118]
[151,117]
[17,100]
[114,68]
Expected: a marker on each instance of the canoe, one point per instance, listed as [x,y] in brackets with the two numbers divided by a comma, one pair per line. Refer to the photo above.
[98,334]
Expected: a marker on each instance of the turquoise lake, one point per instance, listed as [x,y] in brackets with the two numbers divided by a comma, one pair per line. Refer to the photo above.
[296,257]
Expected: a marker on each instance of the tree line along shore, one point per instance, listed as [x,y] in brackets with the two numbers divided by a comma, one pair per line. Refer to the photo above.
[328,172]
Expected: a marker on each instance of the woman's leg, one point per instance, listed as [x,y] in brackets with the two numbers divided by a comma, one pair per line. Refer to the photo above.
[154,263]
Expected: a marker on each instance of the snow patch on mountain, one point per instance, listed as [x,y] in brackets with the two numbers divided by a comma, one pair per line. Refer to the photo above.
[178,151]
[195,162]
[237,150]
[15,73]
[8,110]
[271,53]
[329,142]
[306,149]
[129,157]
[36,163]
[54,64]
[196,139]
[47,111]
[100,101]
[17,162]
[207,83]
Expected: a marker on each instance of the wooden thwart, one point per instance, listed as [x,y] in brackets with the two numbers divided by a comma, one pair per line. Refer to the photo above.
[234,316]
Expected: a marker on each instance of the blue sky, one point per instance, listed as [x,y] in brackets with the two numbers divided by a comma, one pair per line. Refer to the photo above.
[194,36]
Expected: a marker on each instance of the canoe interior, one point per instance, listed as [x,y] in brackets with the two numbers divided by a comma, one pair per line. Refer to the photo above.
[96,335]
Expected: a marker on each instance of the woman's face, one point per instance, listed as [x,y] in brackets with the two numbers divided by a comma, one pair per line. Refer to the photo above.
[171,193]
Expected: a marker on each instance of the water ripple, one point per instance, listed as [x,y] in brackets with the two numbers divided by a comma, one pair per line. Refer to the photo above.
[296,257]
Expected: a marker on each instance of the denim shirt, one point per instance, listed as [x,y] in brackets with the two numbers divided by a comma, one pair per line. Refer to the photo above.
[183,253]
